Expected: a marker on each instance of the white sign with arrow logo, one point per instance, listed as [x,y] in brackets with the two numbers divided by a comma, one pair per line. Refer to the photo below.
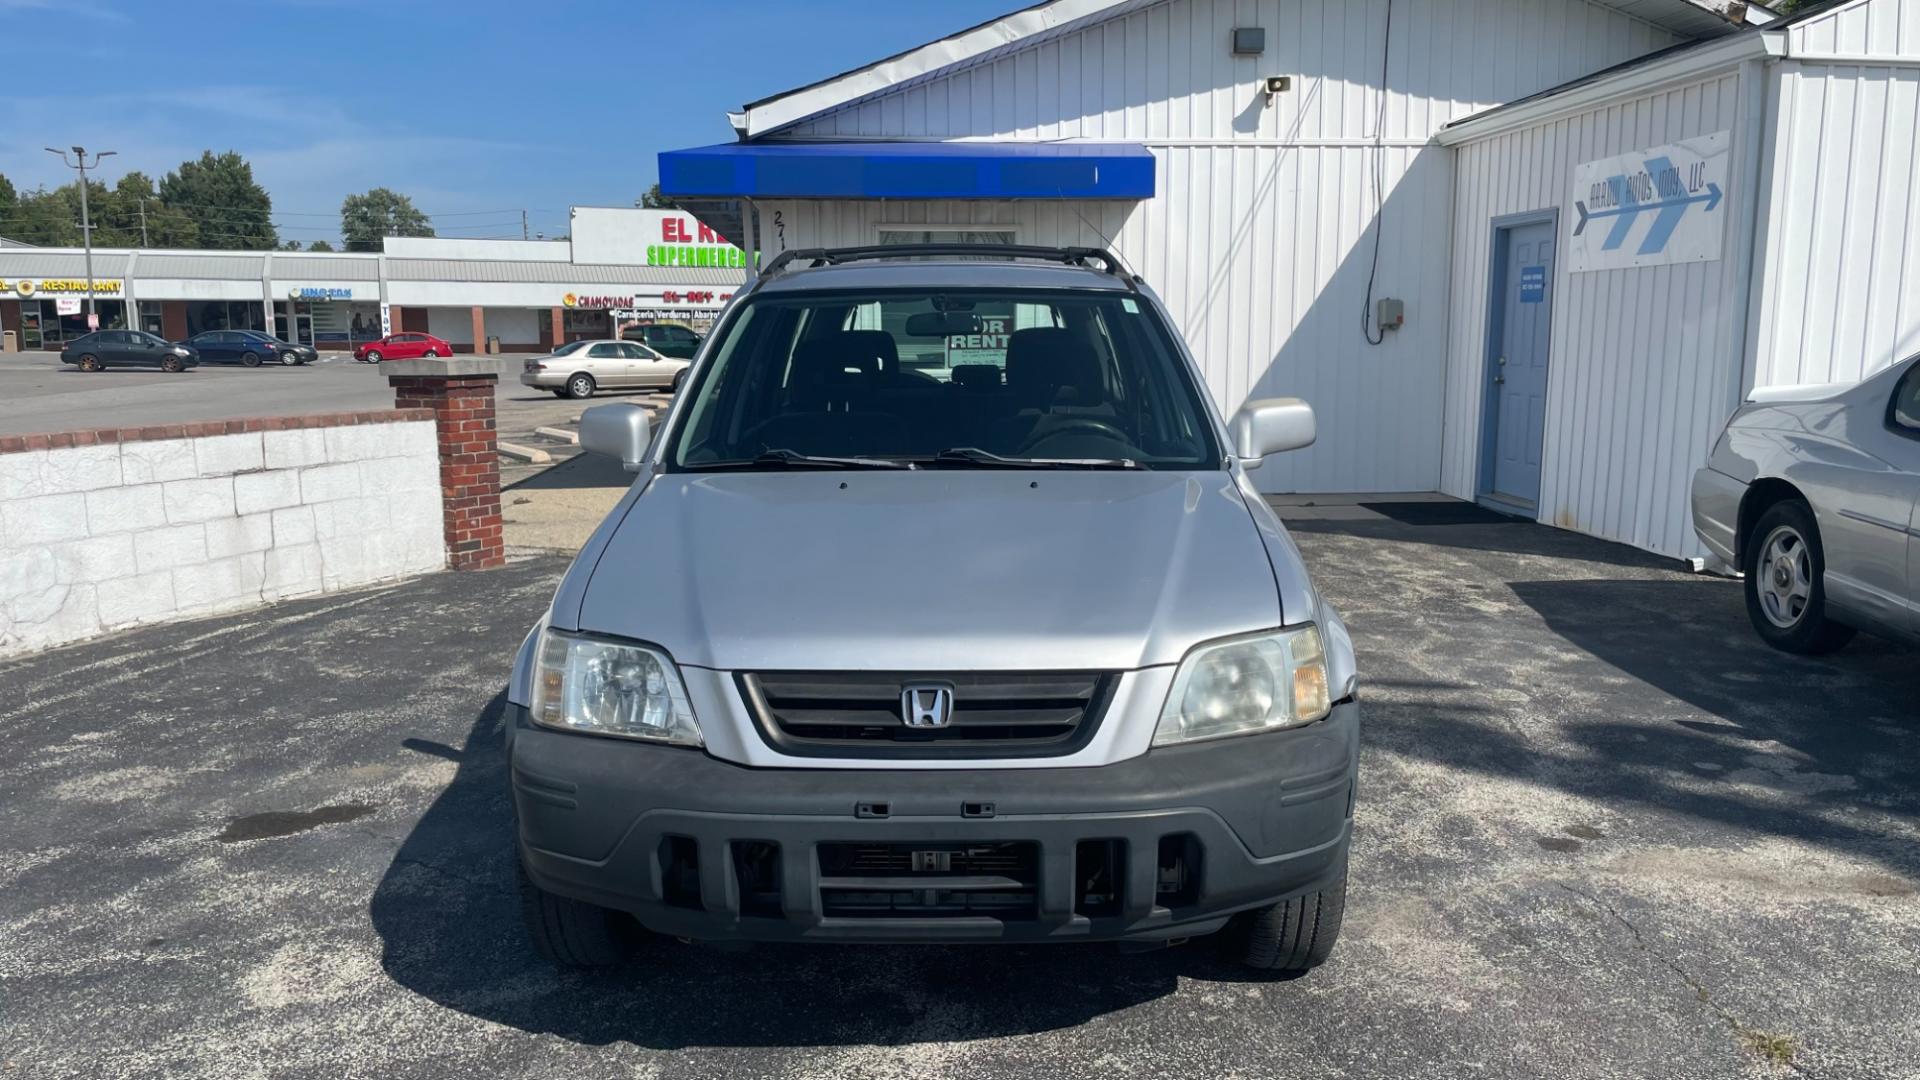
[1664,204]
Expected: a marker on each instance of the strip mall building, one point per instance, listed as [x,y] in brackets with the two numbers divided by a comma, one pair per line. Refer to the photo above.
[1603,222]
[530,295]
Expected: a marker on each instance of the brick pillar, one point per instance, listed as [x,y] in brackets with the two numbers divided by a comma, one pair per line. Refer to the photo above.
[558,329]
[460,393]
[479,330]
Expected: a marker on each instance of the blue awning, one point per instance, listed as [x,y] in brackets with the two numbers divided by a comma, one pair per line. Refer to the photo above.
[909,170]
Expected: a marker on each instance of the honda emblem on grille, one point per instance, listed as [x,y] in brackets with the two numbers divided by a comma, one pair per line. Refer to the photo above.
[926,705]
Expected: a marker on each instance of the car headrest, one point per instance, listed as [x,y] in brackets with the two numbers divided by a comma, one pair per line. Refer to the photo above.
[830,372]
[1049,365]
[977,376]
[875,343]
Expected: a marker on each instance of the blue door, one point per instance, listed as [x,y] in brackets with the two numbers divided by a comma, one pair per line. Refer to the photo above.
[1518,366]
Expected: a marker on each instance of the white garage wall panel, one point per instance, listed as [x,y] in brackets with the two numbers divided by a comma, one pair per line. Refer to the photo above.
[1644,363]
[1260,236]
[519,326]
[1842,292]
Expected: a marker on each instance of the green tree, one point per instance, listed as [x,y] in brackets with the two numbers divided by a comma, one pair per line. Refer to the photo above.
[219,195]
[289,245]
[9,206]
[368,218]
[651,199]
[47,218]
[319,245]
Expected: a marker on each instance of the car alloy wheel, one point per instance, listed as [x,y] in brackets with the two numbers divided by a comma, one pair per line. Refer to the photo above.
[1785,582]
[580,386]
[373,357]
[431,354]
[287,359]
[251,359]
[89,362]
[171,363]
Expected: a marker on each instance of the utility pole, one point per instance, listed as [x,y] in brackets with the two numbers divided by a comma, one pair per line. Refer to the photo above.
[143,221]
[523,224]
[86,223]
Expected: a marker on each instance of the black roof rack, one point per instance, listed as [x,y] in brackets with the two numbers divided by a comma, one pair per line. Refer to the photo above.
[1070,256]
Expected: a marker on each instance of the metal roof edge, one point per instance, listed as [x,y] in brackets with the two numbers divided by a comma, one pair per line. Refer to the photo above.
[1636,77]
[771,113]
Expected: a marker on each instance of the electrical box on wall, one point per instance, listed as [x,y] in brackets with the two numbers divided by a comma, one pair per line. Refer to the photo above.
[1249,40]
[1391,314]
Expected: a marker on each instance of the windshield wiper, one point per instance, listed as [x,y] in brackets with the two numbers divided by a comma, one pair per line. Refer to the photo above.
[973,455]
[782,458]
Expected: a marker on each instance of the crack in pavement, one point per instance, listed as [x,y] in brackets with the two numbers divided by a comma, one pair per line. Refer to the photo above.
[1749,1037]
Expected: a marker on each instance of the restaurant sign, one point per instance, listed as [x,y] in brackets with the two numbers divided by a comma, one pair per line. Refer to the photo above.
[58,286]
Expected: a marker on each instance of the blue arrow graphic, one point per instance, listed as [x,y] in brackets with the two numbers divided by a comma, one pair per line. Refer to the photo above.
[1671,211]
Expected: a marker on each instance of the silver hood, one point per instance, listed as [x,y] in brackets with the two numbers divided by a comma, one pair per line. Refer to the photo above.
[933,570]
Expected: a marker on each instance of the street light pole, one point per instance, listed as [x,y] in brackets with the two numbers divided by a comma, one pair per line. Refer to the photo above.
[86,221]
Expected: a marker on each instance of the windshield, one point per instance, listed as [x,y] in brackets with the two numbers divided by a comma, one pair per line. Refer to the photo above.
[957,379]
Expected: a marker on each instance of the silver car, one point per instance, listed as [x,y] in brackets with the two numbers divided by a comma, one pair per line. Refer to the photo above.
[1013,653]
[580,368]
[1813,493]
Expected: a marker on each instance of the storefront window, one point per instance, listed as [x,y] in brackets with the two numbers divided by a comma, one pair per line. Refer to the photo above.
[151,318]
[204,315]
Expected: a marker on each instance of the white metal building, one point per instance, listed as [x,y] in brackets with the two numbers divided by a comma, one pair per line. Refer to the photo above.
[1417,150]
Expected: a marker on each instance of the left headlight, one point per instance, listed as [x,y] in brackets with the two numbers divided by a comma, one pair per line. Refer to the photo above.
[179,350]
[1241,685]
[607,687]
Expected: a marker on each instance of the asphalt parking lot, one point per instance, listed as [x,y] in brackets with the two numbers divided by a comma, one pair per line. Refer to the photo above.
[1603,832]
[39,393]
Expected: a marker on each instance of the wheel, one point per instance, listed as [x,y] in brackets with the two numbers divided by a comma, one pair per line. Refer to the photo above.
[372,357]
[573,933]
[1294,935]
[89,362]
[172,363]
[1785,582]
[251,359]
[580,385]
[287,359]
[678,378]
[430,354]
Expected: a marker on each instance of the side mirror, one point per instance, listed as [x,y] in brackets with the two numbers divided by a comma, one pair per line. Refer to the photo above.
[618,431]
[1271,426]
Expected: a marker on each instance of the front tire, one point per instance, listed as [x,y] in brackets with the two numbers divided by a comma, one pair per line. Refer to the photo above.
[431,354]
[572,933]
[171,364]
[373,357]
[1294,935]
[679,377]
[251,359]
[580,386]
[1785,582]
[287,359]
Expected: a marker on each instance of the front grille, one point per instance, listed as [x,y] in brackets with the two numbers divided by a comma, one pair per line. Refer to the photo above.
[858,714]
[880,880]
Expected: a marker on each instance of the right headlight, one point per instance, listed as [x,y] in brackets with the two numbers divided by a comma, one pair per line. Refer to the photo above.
[1240,685]
[604,687]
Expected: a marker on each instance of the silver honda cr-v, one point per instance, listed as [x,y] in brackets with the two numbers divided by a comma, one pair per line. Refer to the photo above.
[942,609]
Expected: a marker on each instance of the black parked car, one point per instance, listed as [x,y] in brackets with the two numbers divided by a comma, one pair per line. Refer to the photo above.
[104,348]
[249,347]
[667,339]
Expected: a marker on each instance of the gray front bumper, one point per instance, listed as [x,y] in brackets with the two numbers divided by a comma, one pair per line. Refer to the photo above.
[1716,513]
[1271,815]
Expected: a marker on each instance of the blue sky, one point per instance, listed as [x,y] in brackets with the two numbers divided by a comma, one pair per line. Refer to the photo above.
[466,106]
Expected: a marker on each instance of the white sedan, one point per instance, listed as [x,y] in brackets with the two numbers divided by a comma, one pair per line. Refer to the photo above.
[580,368]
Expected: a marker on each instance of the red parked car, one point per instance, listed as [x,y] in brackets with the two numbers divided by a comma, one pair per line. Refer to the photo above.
[402,347]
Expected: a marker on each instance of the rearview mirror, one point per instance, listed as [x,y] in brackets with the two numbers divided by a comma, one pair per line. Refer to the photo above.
[1271,426]
[618,431]
[942,323]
